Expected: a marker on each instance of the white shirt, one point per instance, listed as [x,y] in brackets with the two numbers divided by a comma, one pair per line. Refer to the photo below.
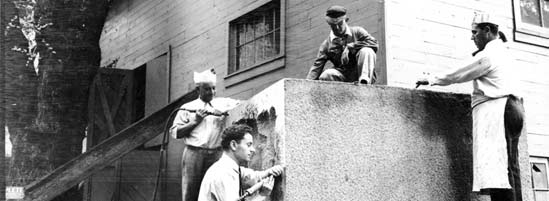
[221,182]
[207,134]
[490,70]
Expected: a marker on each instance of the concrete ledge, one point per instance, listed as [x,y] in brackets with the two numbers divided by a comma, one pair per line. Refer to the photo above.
[340,141]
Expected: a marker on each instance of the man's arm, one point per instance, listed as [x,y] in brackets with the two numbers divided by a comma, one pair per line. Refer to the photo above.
[363,39]
[320,61]
[185,122]
[250,177]
[475,69]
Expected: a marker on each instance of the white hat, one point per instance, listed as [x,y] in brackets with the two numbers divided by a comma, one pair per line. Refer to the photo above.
[208,76]
[482,18]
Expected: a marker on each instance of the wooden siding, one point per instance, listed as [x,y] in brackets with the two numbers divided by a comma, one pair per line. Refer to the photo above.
[415,37]
[138,31]
[434,36]
[306,28]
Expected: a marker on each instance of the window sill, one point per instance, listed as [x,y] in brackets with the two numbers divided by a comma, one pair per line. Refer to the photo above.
[254,71]
[532,35]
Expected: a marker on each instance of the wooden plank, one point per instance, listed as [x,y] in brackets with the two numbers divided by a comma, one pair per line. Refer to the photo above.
[122,90]
[105,105]
[89,135]
[118,177]
[78,169]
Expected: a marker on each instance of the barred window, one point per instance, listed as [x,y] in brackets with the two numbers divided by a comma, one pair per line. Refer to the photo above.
[255,37]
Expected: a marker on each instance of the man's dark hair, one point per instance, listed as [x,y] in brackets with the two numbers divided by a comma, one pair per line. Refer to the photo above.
[494,29]
[234,132]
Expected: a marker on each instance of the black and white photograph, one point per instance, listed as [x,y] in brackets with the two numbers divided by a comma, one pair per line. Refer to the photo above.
[274,100]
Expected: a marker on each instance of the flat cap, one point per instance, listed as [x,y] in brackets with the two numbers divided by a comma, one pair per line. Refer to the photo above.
[336,11]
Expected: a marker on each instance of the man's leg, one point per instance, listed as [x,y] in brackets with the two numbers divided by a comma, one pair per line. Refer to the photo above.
[513,119]
[366,61]
[191,165]
[331,75]
[210,159]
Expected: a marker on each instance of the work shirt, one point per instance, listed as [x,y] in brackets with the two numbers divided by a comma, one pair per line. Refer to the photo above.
[221,182]
[332,48]
[207,134]
[490,70]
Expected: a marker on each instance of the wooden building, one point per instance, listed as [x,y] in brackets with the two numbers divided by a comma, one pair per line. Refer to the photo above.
[253,43]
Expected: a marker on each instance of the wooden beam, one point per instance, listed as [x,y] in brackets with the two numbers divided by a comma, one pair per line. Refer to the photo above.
[78,169]
[105,105]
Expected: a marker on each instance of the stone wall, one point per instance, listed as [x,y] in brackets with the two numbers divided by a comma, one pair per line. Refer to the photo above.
[340,141]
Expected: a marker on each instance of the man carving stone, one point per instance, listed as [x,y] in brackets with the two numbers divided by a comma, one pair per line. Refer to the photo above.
[224,181]
[200,123]
[350,49]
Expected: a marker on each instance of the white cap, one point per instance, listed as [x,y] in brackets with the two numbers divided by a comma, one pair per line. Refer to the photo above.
[482,18]
[208,76]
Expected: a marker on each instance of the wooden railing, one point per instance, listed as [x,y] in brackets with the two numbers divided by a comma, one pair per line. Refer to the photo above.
[98,157]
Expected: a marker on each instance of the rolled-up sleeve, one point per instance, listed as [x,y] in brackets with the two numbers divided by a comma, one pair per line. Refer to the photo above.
[181,119]
[249,176]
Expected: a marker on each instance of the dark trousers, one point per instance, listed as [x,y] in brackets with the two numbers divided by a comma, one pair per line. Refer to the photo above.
[514,120]
[194,164]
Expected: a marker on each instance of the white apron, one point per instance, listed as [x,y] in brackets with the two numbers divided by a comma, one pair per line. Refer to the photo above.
[489,145]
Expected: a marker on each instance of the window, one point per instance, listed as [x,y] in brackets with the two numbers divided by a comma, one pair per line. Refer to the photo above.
[540,178]
[255,38]
[535,12]
[532,21]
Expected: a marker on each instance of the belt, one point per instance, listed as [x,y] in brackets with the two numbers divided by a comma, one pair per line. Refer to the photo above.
[208,150]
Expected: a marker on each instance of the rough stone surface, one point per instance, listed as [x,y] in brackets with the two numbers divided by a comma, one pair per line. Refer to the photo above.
[345,142]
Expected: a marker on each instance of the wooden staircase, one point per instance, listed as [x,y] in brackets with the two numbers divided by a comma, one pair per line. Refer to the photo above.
[103,154]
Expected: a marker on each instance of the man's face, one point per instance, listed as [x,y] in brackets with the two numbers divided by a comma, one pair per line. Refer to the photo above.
[480,37]
[245,149]
[206,91]
[338,28]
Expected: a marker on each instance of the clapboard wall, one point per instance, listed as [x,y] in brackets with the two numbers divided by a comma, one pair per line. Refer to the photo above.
[137,31]
[434,36]
[415,37]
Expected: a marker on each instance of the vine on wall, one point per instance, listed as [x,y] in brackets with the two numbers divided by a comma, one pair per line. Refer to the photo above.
[30,24]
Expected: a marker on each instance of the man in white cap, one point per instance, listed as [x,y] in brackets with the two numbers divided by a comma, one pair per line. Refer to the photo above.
[200,123]
[498,113]
[350,49]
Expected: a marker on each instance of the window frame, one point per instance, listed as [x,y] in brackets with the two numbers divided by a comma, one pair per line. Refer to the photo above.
[544,161]
[528,33]
[267,65]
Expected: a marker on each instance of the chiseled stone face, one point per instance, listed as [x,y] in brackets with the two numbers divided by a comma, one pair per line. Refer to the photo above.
[340,141]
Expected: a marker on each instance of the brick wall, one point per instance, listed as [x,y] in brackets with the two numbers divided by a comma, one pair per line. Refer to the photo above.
[434,36]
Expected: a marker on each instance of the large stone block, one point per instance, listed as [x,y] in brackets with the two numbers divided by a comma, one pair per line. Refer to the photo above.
[340,141]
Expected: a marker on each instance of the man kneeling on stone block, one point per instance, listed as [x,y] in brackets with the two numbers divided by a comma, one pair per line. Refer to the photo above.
[351,50]
[224,179]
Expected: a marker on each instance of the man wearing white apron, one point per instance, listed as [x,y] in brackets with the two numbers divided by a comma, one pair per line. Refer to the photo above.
[497,112]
